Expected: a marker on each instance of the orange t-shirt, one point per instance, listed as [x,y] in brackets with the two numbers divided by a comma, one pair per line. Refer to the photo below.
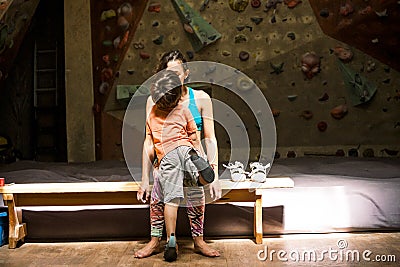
[170,129]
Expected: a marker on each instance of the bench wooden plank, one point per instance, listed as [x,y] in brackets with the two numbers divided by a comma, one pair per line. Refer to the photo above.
[38,188]
[129,186]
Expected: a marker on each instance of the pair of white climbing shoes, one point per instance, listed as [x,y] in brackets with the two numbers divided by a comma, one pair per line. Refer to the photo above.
[258,171]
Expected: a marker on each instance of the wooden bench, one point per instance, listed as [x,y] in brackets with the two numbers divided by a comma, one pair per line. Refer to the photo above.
[116,193]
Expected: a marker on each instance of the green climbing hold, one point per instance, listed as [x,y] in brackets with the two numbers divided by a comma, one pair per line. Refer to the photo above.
[107,43]
[125,92]
[359,88]
[201,33]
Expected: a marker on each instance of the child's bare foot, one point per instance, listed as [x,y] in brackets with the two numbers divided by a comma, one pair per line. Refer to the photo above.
[203,248]
[149,249]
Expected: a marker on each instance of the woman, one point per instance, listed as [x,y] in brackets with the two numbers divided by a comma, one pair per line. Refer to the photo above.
[200,105]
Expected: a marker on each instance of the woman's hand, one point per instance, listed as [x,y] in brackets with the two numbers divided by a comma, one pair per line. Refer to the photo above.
[215,190]
[143,193]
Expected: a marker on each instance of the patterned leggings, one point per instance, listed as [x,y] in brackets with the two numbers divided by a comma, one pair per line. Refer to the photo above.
[195,207]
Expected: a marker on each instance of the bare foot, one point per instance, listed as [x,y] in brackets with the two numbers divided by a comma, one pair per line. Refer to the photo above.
[149,249]
[203,248]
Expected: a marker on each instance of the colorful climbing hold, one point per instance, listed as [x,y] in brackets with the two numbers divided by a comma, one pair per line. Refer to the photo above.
[238,5]
[306,114]
[324,97]
[104,86]
[344,53]
[339,112]
[324,13]
[96,108]
[272,4]
[382,13]
[240,38]
[123,23]
[322,126]
[190,54]
[159,40]
[188,28]
[144,55]
[116,41]
[107,14]
[240,27]
[244,55]
[107,43]
[126,10]
[154,7]
[106,59]
[346,9]
[371,66]
[255,3]
[106,74]
[292,3]
[256,20]
[276,68]
[138,45]
[310,64]
[291,35]
[275,112]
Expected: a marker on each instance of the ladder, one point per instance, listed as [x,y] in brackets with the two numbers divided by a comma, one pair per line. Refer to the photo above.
[45,95]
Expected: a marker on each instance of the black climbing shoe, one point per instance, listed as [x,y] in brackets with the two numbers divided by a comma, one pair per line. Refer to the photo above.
[206,172]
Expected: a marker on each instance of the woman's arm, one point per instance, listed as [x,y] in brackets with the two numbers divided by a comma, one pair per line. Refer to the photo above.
[206,110]
[209,132]
[147,159]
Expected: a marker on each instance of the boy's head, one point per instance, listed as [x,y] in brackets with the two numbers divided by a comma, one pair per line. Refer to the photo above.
[166,91]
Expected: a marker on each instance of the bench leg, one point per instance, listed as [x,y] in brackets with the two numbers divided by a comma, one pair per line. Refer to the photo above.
[258,228]
[17,230]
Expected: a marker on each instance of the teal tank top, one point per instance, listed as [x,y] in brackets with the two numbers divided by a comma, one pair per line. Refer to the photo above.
[194,110]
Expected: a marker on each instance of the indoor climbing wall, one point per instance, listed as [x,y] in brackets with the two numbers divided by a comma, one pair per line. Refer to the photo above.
[113,26]
[328,97]
[15,17]
[16,79]
[369,25]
